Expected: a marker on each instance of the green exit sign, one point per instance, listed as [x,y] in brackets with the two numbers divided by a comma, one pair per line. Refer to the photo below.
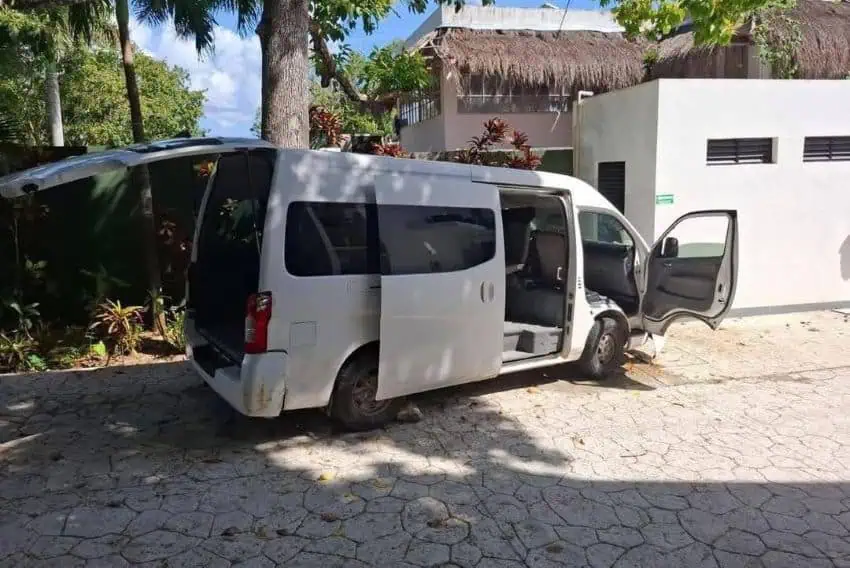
[664,199]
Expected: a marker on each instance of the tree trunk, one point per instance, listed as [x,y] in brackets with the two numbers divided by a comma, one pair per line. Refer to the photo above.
[283,31]
[54,105]
[141,175]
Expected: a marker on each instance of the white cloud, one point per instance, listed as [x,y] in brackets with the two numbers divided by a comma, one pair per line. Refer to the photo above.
[230,76]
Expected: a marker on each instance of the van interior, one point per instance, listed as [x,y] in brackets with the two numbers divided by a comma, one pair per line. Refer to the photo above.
[536,255]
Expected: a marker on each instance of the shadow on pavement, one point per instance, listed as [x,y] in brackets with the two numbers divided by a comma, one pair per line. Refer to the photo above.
[146,464]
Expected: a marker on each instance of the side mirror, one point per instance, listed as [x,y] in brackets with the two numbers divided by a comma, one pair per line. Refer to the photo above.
[670,248]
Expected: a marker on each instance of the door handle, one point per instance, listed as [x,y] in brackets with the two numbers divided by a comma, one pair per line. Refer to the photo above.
[488,292]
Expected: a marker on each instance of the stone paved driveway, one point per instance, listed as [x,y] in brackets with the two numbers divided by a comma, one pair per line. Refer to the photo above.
[143,465]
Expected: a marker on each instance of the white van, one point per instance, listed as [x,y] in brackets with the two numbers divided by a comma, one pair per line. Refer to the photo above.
[346,281]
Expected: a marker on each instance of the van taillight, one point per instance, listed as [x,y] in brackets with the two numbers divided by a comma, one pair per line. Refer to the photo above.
[258,313]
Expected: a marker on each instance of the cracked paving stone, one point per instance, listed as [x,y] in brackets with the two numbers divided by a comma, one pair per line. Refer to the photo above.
[239,547]
[776,559]
[506,508]
[717,502]
[198,558]
[581,536]
[181,503]
[621,536]
[499,563]
[256,562]
[666,537]
[453,492]
[320,500]
[313,560]
[418,514]
[701,525]
[632,517]
[427,553]
[751,495]
[314,526]
[449,531]
[282,549]
[100,547]
[785,506]
[789,542]
[385,550]
[287,521]
[48,524]
[490,540]
[158,545]
[832,546]
[112,561]
[786,523]
[235,522]
[734,560]
[556,554]
[385,505]
[747,519]
[147,521]
[92,523]
[825,523]
[335,545]
[193,524]
[602,555]
[577,510]
[465,555]
[373,489]
[534,534]
[369,526]
[408,490]
[739,541]
[52,546]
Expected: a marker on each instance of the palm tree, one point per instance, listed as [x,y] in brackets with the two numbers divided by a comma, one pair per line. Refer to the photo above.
[48,33]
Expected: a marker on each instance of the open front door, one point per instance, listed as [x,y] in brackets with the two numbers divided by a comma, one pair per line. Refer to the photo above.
[692,271]
[442,283]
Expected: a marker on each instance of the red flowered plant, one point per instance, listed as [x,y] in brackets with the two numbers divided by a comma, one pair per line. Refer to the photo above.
[480,150]
[390,150]
[325,128]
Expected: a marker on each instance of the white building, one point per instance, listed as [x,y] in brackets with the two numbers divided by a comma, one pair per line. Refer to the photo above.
[522,65]
[777,151]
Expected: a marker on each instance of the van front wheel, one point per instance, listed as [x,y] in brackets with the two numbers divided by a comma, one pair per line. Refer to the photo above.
[354,405]
[603,353]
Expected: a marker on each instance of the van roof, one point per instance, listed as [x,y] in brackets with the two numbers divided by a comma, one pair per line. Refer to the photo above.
[86,165]
[582,193]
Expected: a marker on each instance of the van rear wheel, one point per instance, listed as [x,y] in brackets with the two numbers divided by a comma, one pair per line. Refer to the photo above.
[354,404]
[604,351]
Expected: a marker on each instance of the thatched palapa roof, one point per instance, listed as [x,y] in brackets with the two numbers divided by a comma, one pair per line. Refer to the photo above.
[824,51]
[572,60]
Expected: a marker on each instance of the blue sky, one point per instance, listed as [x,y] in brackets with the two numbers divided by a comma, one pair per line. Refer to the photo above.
[231,77]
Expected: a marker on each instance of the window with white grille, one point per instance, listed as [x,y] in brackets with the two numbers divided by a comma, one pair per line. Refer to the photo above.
[492,93]
[721,151]
[826,149]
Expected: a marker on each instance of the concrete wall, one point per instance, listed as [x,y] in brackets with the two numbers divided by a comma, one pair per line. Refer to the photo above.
[620,127]
[794,216]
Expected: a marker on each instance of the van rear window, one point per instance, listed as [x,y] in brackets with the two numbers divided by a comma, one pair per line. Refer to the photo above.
[334,239]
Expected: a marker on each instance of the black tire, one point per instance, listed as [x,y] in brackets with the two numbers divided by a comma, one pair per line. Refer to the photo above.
[604,352]
[353,404]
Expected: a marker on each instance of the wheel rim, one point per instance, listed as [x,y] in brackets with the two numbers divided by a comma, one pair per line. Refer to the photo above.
[606,348]
[363,394]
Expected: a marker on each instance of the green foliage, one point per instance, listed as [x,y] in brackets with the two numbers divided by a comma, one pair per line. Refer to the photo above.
[174,322]
[94,98]
[119,326]
[778,38]
[18,353]
[24,318]
[392,69]
[713,21]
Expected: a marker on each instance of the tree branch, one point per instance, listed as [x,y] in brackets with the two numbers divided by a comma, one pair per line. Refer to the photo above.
[329,67]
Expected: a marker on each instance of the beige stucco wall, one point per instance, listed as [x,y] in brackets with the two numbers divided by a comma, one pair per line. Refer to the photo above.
[452,130]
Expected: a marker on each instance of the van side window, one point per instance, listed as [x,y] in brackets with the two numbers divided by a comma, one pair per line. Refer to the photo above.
[603,228]
[423,240]
[331,239]
[335,239]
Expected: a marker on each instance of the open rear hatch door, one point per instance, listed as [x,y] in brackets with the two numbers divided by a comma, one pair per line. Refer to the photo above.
[80,167]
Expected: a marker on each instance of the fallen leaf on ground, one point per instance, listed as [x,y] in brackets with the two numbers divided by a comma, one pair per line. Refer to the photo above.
[326,476]
[533,390]
[329,517]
